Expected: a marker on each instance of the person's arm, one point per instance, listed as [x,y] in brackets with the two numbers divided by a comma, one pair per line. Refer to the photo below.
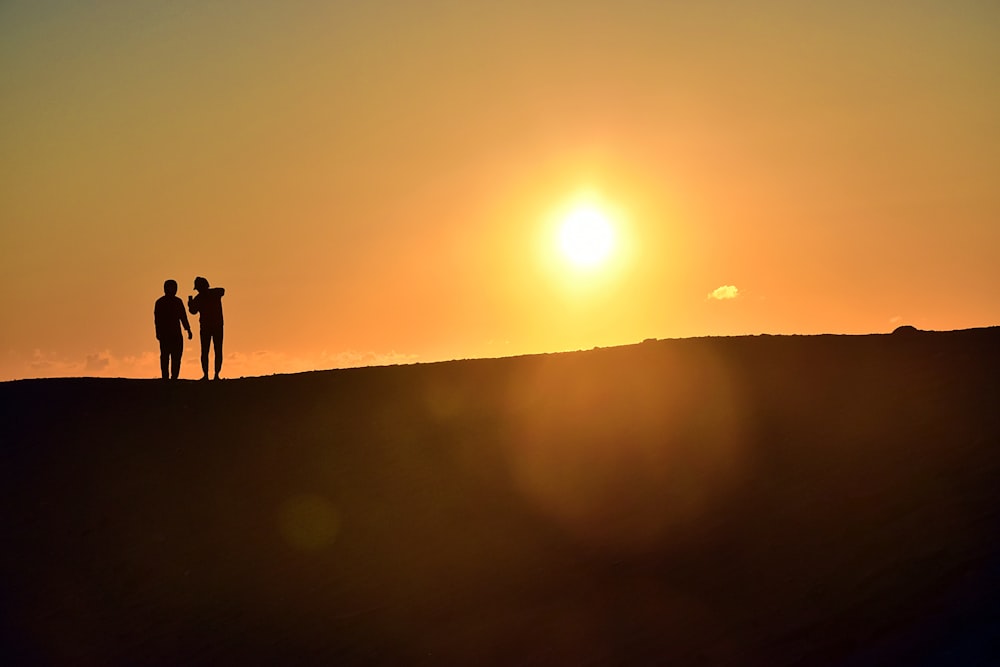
[184,320]
[221,291]
[193,304]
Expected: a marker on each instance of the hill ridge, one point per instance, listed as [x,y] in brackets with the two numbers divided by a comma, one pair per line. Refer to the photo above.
[737,500]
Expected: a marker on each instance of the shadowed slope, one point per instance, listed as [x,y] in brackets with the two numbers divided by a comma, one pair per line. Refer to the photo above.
[758,500]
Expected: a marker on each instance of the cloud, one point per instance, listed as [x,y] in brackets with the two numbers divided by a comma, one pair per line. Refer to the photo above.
[354,359]
[104,363]
[38,362]
[268,362]
[97,362]
[724,293]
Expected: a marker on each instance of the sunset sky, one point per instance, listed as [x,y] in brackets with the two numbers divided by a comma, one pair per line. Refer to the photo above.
[385,181]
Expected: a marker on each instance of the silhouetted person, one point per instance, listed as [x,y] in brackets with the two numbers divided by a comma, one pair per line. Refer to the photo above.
[168,316]
[208,302]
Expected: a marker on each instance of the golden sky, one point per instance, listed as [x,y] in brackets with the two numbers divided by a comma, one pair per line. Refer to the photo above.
[383,181]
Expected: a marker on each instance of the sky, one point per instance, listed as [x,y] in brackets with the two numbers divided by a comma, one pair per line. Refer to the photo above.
[384,181]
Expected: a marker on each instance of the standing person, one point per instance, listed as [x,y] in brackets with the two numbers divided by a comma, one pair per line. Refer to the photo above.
[208,302]
[168,317]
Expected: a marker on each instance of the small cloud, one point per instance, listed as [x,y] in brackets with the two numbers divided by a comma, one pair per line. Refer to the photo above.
[97,362]
[724,293]
[895,319]
[39,362]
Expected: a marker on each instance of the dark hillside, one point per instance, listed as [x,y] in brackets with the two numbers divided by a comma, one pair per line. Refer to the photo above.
[768,500]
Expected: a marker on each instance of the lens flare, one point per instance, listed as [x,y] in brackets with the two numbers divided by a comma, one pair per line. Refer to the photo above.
[308,522]
[626,457]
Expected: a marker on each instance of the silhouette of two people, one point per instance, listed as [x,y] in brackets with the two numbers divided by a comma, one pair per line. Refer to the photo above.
[169,316]
[208,303]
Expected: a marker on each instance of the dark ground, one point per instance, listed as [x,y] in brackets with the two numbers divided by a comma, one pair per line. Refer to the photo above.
[769,500]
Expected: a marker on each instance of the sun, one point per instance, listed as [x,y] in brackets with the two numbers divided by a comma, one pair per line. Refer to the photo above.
[586,236]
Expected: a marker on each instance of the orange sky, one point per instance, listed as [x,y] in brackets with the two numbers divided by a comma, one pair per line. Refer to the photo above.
[377,182]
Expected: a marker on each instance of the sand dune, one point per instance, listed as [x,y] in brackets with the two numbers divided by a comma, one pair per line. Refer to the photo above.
[768,500]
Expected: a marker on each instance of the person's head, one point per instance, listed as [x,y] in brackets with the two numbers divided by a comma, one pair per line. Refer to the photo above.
[170,287]
[200,284]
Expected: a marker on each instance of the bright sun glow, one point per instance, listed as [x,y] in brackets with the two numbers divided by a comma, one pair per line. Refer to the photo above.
[586,236]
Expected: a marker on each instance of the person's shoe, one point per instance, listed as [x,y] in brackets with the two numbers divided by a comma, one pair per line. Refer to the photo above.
[216,376]
[205,376]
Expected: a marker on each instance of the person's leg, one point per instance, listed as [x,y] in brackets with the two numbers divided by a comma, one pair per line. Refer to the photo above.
[217,339]
[206,338]
[175,359]
[164,359]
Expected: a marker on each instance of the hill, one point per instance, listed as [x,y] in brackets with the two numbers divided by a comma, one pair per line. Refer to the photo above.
[768,500]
